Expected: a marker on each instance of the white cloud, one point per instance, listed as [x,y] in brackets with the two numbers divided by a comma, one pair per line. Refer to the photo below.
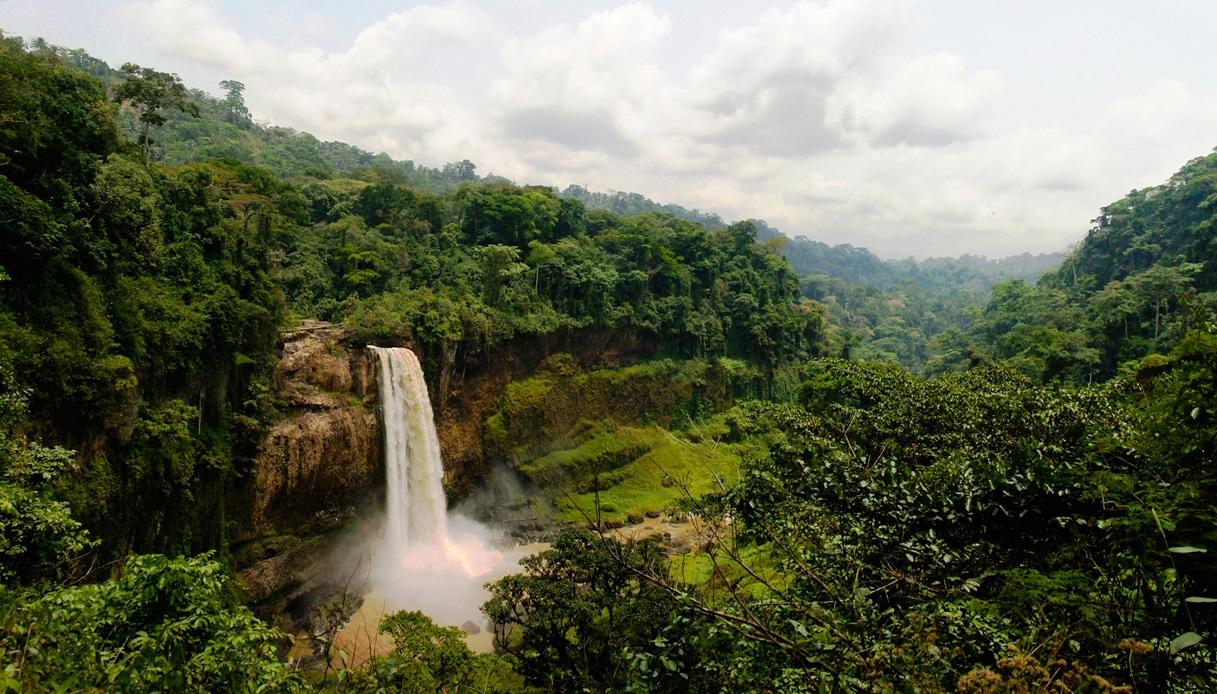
[590,87]
[366,93]
[818,116]
[923,100]
[809,38]
[768,86]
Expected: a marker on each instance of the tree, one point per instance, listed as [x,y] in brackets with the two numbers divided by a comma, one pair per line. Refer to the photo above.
[234,102]
[578,604]
[163,625]
[38,536]
[151,93]
[1114,303]
[499,264]
[425,657]
[1160,285]
[460,171]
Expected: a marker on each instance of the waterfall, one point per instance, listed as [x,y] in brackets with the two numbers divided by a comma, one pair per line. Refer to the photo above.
[416,509]
[425,559]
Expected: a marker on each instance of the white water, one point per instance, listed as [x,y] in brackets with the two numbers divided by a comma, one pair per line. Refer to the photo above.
[426,559]
[415,506]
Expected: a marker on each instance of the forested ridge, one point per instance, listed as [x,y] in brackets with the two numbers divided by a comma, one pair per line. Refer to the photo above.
[918,476]
[878,310]
[887,310]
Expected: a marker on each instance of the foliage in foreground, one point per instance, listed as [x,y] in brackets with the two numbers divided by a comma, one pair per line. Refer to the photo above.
[573,610]
[428,658]
[162,625]
[976,532]
[178,625]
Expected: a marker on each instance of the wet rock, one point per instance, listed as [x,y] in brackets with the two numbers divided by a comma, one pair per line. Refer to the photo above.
[313,467]
[319,610]
[285,569]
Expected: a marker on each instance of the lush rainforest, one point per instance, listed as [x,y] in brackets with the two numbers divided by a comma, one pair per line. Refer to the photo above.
[941,475]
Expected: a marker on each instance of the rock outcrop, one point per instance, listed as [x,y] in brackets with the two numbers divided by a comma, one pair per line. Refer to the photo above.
[317,468]
[478,381]
[320,462]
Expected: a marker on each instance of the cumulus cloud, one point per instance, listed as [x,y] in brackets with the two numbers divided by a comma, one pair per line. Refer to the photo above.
[785,92]
[592,86]
[369,93]
[930,100]
[818,77]
[768,85]
[815,115]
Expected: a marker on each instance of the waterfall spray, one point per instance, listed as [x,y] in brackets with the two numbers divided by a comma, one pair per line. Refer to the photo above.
[425,558]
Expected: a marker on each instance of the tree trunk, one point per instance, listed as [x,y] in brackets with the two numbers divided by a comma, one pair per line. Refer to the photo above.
[1157,306]
[147,147]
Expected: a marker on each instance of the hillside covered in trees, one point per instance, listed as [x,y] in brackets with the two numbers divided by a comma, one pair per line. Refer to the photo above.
[881,310]
[943,475]
[888,310]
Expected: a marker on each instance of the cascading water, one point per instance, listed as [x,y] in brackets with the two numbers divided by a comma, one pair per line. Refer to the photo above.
[426,559]
[416,509]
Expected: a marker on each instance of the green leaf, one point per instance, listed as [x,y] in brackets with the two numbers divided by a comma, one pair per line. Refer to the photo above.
[1185,640]
[1195,599]
[1186,549]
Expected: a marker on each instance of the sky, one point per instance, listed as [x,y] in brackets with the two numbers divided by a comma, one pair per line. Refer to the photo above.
[910,127]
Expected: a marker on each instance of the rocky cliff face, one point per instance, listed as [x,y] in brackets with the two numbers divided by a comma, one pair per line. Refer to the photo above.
[476,384]
[322,460]
[321,464]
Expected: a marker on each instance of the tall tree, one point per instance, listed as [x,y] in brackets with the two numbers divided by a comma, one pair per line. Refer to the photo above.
[151,93]
[234,102]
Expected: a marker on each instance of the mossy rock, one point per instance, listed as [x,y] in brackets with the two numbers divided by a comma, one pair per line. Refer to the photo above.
[1150,367]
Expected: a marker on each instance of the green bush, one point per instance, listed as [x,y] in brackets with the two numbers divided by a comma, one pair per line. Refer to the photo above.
[162,625]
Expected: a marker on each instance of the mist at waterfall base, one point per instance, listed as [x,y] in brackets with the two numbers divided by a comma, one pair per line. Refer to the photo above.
[423,557]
